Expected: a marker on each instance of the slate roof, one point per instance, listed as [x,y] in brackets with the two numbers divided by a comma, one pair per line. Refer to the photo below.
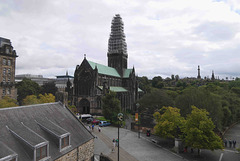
[106,70]
[23,121]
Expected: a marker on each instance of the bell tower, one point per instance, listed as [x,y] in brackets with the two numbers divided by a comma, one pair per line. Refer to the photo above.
[117,46]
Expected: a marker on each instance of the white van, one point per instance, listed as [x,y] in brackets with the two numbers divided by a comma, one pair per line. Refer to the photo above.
[83,117]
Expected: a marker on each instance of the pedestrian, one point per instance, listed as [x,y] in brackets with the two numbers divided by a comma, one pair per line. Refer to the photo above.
[92,127]
[117,142]
[225,142]
[114,142]
[234,143]
[99,128]
[230,143]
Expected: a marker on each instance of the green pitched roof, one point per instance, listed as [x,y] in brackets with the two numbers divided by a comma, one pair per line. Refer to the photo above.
[126,73]
[139,90]
[102,69]
[115,89]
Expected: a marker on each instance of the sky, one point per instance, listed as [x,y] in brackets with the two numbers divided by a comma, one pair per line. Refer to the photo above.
[164,37]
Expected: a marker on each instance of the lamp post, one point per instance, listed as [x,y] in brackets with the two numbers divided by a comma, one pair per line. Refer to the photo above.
[138,105]
[120,119]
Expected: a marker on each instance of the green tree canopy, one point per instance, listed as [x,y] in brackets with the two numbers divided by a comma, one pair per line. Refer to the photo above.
[49,87]
[155,100]
[8,102]
[111,106]
[203,99]
[198,131]
[169,122]
[25,88]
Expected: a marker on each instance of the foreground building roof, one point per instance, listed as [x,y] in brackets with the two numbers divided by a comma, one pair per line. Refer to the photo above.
[26,129]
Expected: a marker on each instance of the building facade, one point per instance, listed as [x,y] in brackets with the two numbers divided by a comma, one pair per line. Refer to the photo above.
[7,69]
[93,80]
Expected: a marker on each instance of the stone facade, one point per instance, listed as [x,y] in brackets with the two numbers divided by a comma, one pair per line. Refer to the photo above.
[84,152]
[7,69]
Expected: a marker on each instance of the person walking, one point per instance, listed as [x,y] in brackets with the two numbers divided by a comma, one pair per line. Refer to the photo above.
[114,144]
[230,143]
[92,127]
[99,128]
[117,142]
[225,142]
[234,143]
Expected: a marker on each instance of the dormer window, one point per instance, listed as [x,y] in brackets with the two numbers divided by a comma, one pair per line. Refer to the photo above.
[7,154]
[41,152]
[36,146]
[62,137]
[65,142]
[7,50]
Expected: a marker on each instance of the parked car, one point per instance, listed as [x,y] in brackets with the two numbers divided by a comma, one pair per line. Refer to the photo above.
[104,123]
[88,120]
[95,121]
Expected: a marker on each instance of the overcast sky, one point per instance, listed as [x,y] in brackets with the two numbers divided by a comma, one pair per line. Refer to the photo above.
[163,37]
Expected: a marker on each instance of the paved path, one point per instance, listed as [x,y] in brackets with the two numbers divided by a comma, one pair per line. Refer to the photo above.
[124,156]
[134,148]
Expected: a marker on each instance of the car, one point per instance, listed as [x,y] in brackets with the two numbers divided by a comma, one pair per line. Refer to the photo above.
[95,121]
[88,120]
[104,123]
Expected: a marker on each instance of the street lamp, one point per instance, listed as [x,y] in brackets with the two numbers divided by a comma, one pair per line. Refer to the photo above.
[120,119]
[138,105]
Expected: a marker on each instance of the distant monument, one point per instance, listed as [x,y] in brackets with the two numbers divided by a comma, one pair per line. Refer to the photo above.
[213,78]
[198,77]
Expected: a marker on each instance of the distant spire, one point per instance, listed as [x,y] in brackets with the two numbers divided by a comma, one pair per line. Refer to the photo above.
[198,77]
[66,73]
[213,78]
[84,56]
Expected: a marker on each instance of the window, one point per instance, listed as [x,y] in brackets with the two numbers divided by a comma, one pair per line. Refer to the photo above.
[9,71]
[4,71]
[4,91]
[41,152]
[9,91]
[7,50]
[4,61]
[9,80]
[65,142]
[4,80]
[9,62]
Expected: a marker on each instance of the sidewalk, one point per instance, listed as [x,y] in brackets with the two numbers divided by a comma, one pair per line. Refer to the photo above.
[124,156]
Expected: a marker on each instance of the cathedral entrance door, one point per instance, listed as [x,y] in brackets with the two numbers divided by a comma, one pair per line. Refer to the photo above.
[84,106]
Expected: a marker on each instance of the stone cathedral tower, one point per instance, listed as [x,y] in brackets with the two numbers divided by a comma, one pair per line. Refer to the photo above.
[117,47]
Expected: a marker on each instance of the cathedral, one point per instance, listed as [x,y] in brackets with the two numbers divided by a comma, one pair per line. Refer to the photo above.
[93,80]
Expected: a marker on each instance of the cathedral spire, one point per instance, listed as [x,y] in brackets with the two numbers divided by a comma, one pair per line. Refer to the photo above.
[117,46]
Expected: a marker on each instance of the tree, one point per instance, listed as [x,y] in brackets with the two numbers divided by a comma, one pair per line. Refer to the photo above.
[33,99]
[46,98]
[155,100]
[111,106]
[49,87]
[8,102]
[198,131]
[30,100]
[156,80]
[169,122]
[25,88]
[202,98]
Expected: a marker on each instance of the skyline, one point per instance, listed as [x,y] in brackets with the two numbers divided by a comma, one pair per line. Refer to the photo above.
[163,37]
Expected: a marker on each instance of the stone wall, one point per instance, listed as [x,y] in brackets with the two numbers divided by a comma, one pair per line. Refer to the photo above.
[85,153]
